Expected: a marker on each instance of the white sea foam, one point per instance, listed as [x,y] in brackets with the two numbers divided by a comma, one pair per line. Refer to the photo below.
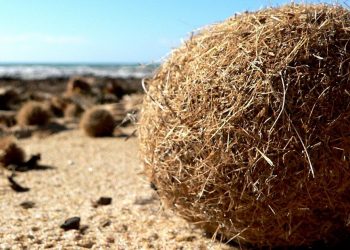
[36,71]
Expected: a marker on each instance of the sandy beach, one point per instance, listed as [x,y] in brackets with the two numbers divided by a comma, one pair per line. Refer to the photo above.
[78,171]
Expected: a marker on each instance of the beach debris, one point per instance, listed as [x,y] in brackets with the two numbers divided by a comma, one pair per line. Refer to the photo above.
[30,164]
[57,105]
[72,223]
[114,88]
[7,118]
[33,161]
[77,85]
[106,223]
[83,229]
[144,200]
[97,122]
[21,132]
[123,228]
[86,243]
[102,201]
[27,204]
[110,239]
[9,97]
[33,113]
[132,134]
[15,186]
[73,110]
[245,127]
[10,152]
[186,238]
[153,186]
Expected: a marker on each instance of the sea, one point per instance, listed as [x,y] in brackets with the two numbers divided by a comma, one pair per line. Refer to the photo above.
[41,71]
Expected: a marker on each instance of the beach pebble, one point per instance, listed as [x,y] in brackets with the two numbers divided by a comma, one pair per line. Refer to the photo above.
[71,223]
[106,223]
[103,201]
[27,204]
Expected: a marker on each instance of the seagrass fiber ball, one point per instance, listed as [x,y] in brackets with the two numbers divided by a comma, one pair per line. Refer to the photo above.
[33,113]
[97,122]
[10,152]
[245,128]
[77,85]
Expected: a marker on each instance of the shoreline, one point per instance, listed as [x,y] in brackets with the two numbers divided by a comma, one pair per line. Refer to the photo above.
[56,85]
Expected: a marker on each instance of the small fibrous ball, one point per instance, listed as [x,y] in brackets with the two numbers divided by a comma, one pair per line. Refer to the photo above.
[10,152]
[114,87]
[245,129]
[57,105]
[33,113]
[97,122]
[8,98]
[77,85]
[73,110]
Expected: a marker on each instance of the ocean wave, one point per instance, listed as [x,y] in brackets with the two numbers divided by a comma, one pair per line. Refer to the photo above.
[33,72]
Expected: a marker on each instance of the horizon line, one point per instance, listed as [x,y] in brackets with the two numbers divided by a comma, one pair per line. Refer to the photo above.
[77,62]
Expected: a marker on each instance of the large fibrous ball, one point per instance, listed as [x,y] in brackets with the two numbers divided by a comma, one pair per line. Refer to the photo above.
[33,113]
[10,152]
[97,122]
[245,129]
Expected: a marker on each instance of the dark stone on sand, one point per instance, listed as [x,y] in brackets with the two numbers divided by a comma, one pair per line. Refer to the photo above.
[72,223]
[27,204]
[104,201]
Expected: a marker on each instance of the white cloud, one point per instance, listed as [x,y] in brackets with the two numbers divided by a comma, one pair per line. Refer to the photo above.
[41,38]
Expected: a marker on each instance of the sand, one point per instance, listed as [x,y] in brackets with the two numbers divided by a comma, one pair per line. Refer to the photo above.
[83,170]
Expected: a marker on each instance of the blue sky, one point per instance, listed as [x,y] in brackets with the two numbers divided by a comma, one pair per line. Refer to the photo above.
[106,31]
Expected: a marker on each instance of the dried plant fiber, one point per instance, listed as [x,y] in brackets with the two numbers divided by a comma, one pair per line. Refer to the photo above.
[245,128]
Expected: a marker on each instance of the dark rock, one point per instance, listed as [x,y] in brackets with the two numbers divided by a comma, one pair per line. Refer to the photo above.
[27,204]
[71,223]
[103,201]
